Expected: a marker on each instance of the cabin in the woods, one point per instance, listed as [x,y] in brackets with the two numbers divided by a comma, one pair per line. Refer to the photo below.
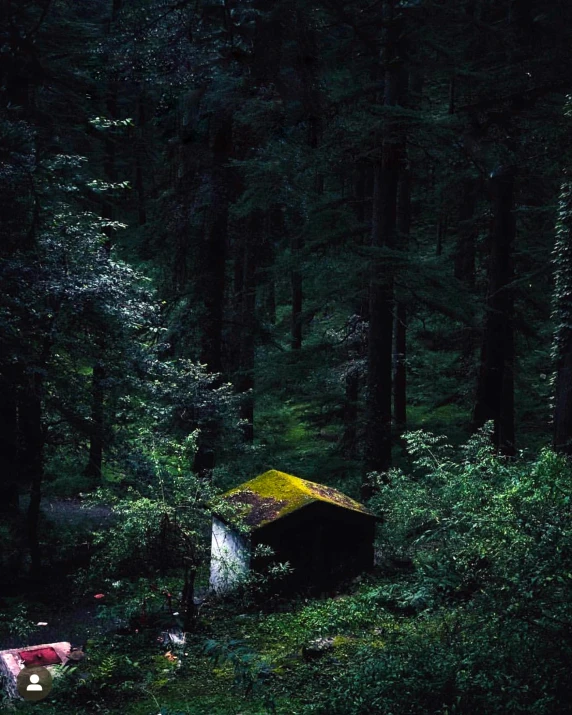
[323,534]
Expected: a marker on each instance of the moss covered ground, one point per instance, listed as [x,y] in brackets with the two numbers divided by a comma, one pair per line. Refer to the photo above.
[271,647]
[256,663]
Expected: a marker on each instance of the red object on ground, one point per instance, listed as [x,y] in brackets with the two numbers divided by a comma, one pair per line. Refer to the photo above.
[99,595]
[41,656]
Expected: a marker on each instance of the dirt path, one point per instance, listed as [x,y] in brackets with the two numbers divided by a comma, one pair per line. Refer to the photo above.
[72,511]
[51,602]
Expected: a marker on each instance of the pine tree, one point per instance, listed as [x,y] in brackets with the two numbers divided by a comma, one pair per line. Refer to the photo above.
[495,391]
[384,226]
[562,315]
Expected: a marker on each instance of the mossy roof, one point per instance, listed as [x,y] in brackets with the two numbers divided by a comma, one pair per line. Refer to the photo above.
[274,494]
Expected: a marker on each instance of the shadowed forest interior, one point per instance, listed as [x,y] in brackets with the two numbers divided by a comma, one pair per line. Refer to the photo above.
[326,243]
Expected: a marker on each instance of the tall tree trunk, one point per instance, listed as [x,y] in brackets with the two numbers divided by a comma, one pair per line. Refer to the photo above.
[214,277]
[381,296]
[442,228]
[562,311]
[246,381]
[520,15]
[464,261]
[213,283]
[495,400]
[464,256]
[236,299]
[400,356]
[273,236]
[361,195]
[140,160]
[310,98]
[350,414]
[9,488]
[400,376]
[266,69]
[296,245]
[96,441]
[32,461]
[381,304]
[189,608]
[563,400]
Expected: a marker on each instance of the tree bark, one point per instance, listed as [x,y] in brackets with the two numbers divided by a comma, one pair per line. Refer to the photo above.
[96,442]
[350,414]
[272,238]
[214,277]
[361,201]
[563,399]
[213,280]
[562,311]
[310,98]
[139,162]
[400,355]
[246,380]
[9,491]
[8,440]
[381,304]
[95,459]
[189,608]
[236,300]
[381,301]
[464,258]
[495,390]
[296,245]
[32,461]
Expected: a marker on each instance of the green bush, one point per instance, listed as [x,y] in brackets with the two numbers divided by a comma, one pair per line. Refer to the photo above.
[491,540]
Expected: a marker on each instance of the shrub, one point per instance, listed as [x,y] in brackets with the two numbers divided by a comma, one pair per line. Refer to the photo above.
[491,540]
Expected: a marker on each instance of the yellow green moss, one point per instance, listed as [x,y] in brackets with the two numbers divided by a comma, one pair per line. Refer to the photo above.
[344,645]
[274,494]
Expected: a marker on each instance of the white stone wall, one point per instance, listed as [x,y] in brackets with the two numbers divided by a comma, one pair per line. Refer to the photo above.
[230,557]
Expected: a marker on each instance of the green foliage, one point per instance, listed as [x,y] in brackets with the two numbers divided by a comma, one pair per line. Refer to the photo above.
[346,615]
[251,671]
[562,310]
[106,123]
[492,545]
[106,266]
[482,624]
[111,677]
[64,473]
[159,528]
[15,621]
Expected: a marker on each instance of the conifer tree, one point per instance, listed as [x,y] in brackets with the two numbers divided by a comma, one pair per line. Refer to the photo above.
[562,314]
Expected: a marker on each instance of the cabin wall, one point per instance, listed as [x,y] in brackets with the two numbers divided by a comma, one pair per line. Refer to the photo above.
[325,545]
[230,557]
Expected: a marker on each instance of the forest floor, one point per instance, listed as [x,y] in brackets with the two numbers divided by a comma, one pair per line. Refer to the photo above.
[272,661]
[51,599]
[267,662]
[263,663]
[443,631]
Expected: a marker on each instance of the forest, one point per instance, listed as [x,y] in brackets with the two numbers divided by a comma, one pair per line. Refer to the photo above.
[331,238]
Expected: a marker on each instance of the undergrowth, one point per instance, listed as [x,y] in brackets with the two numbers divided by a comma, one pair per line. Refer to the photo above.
[480,623]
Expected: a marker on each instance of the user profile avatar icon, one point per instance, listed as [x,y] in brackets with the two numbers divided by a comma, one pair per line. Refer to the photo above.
[34,683]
